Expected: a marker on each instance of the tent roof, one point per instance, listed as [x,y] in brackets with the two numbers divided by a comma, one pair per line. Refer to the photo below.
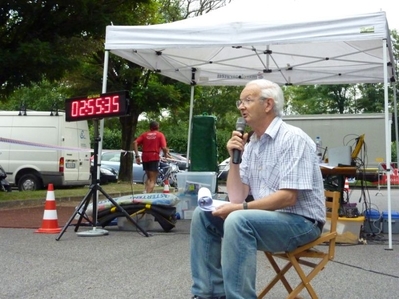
[247,39]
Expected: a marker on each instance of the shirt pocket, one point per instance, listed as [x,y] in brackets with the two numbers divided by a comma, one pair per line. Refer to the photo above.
[269,174]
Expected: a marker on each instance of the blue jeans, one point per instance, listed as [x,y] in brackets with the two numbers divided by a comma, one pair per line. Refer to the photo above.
[229,267]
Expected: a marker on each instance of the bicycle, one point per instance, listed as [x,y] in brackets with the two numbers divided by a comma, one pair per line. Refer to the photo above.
[166,171]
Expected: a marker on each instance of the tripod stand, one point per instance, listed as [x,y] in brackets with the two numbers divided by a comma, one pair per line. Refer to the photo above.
[93,193]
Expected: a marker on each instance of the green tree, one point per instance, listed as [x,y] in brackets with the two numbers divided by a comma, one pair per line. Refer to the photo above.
[64,57]
[42,95]
[73,46]
[319,99]
[150,92]
[371,98]
[46,39]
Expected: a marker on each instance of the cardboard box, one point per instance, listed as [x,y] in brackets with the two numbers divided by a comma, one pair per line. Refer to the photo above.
[348,229]
[394,222]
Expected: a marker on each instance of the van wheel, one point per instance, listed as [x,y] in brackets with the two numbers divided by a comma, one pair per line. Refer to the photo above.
[28,182]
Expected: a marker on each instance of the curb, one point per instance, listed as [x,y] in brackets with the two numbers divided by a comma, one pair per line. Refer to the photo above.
[40,201]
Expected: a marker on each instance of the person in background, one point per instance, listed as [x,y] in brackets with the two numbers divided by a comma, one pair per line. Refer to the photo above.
[280,169]
[152,143]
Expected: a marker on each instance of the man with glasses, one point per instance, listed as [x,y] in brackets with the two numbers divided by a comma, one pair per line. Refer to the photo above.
[280,168]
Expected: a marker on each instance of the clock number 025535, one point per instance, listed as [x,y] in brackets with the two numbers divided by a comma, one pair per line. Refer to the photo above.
[95,106]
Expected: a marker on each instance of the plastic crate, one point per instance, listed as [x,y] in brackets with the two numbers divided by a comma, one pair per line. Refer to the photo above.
[394,222]
[372,222]
[348,229]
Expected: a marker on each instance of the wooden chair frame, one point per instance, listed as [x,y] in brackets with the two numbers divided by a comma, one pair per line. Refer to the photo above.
[307,255]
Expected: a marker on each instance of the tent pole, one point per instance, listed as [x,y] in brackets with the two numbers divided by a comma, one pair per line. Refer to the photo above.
[189,123]
[105,71]
[104,90]
[100,135]
[396,124]
[387,139]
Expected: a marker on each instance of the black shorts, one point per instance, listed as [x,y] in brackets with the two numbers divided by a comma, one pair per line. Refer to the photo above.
[151,166]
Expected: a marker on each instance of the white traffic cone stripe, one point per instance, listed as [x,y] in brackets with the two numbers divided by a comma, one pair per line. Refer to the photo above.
[50,196]
[166,186]
[346,186]
[50,215]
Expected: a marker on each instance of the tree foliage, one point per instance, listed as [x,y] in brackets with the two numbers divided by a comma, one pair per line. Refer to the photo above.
[48,38]
[42,95]
[51,50]
[150,92]
[335,99]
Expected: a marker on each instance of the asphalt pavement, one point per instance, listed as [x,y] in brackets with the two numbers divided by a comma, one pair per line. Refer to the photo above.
[126,264]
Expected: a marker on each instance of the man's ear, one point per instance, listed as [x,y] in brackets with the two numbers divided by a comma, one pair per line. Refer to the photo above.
[269,104]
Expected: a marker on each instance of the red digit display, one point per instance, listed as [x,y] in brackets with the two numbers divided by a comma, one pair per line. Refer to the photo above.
[110,104]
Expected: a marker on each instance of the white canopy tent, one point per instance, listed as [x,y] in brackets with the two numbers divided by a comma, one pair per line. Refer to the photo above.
[279,41]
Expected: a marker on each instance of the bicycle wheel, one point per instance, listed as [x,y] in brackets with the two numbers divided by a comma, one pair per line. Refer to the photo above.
[173,180]
[160,181]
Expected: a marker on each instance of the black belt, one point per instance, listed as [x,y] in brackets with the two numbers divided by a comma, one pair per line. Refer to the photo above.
[320,225]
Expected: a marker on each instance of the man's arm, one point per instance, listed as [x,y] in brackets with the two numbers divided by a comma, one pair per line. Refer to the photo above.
[163,145]
[236,189]
[280,199]
[136,152]
[166,152]
[135,148]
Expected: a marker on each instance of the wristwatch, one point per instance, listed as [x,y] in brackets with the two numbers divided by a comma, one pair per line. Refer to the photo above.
[137,157]
[245,205]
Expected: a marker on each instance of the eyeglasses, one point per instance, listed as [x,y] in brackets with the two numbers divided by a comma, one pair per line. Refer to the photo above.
[245,102]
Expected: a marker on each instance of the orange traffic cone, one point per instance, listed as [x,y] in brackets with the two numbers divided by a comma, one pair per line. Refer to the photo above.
[346,186]
[166,186]
[50,219]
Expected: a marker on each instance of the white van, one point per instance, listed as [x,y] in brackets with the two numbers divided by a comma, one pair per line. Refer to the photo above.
[41,148]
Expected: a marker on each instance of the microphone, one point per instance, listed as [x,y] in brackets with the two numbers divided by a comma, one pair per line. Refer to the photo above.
[240,126]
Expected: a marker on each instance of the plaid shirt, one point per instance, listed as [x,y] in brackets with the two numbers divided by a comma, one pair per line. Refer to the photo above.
[285,158]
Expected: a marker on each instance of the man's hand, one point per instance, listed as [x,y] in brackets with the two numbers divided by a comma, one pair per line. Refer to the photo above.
[224,210]
[237,141]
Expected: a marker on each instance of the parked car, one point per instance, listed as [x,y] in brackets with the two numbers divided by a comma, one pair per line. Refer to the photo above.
[112,159]
[107,174]
[180,160]
[224,167]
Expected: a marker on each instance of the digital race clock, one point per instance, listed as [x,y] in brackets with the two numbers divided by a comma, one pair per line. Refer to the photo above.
[109,104]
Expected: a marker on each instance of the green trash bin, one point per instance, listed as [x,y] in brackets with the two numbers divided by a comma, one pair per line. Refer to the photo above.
[203,148]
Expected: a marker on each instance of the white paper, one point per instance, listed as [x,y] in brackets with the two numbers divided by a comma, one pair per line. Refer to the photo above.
[205,201]
[325,165]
